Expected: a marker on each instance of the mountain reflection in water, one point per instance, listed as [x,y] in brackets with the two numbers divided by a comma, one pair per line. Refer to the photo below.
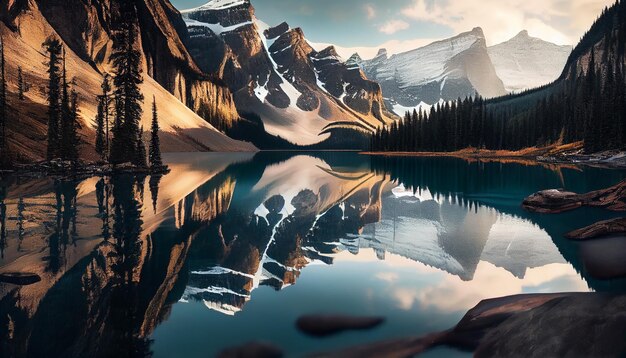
[120,257]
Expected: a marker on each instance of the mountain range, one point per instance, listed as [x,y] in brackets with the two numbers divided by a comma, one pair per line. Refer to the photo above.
[301,94]
[218,73]
[462,66]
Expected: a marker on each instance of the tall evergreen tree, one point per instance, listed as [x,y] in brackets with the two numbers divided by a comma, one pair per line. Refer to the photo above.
[3,107]
[106,106]
[155,144]
[140,152]
[67,121]
[73,128]
[21,86]
[128,98]
[53,47]
[102,119]
[100,140]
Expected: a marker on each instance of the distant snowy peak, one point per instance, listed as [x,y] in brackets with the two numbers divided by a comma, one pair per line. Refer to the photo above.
[525,62]
[354,60]
[446,69]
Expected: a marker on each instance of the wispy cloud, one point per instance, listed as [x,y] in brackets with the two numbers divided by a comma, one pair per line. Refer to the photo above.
[393,26]
[553,20]
[370,11]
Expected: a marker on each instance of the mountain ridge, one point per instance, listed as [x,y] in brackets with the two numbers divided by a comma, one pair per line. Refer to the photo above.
[524,62]
[275,73]
[447,69]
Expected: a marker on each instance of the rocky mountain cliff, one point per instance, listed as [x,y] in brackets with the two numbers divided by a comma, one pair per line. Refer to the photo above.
[301,95]
[447,69]
[526,62]
[170,73]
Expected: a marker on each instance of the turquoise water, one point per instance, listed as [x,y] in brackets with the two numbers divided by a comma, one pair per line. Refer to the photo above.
[232,248]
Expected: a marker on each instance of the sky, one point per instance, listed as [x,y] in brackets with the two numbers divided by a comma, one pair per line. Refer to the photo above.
[401,25]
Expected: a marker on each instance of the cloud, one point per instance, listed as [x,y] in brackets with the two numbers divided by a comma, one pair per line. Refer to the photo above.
[558,21]
[393,26]
[370,11]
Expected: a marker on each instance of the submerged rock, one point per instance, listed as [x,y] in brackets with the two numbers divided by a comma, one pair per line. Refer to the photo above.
[252,350]
[599,229]
[558,200]
[320,325]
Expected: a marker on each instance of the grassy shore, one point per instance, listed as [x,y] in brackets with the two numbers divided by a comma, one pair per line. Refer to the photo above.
[532,153]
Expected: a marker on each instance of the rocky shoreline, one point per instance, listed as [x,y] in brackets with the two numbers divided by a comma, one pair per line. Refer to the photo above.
[610,159]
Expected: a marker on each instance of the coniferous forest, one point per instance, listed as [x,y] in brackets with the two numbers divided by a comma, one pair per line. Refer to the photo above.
[119,138]
[587,103]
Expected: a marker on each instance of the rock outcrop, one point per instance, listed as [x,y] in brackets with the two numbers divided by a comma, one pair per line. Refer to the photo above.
[557,201]
[599,229]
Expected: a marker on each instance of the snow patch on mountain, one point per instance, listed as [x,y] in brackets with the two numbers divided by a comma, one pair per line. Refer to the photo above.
[217,5]
[425,107]
[218,29]
[286,86]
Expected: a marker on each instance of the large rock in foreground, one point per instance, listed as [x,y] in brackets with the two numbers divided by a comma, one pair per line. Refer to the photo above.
[536,325]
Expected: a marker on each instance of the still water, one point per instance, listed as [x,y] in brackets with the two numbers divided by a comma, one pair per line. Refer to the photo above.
[233,248]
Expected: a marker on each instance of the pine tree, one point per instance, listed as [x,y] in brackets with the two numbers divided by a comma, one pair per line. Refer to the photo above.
[154,190]
[67,120]
[3,103]
[140,151]
[72,134]
[128,98]
[155,144]
[106,106]
[5,155]
[21,86]
[53,48]
[100,140]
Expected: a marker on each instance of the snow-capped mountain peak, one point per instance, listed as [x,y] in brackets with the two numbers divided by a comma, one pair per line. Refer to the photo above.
[446,69]
[525,62]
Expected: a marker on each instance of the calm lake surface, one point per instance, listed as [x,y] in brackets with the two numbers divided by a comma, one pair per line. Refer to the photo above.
[233,248]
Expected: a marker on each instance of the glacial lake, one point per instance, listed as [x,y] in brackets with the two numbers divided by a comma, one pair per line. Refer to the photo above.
[233,248]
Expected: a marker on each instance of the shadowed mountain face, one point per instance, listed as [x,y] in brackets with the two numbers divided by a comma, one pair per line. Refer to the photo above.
[301,95]
[118,259]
